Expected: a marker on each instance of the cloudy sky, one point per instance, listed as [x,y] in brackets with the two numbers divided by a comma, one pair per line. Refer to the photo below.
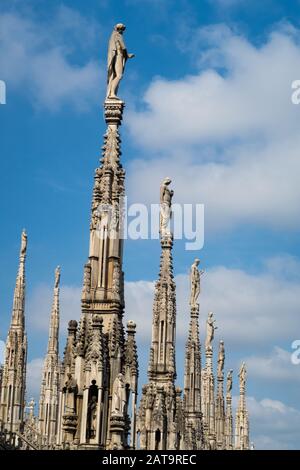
[208,103]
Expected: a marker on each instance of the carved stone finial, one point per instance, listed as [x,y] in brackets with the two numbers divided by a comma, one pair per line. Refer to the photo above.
[57,276]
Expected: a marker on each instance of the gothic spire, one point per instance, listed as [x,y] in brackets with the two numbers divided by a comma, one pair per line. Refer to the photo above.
[162,365]
[48,405]
[14,371]
[18,318]
[54,318]
[220,408]
[242,419]
[192,373]
[229,418]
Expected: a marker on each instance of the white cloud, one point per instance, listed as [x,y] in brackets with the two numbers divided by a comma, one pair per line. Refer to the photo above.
[251,309]
[273,424]
[34,377]
[36,59]
[226,134]
[276,366]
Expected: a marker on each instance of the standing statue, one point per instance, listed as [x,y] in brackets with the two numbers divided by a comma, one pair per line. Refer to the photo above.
[242,376]
[70,389]
[116,60]
[229,382]
[118,396]
[195,283]
[57,276]
[210,330]
[221,359]
[165,207]
[23,243]
[92,417]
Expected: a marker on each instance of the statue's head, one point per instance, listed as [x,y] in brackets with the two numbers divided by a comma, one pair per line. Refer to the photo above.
[167,181]
[197,261]
[120,27]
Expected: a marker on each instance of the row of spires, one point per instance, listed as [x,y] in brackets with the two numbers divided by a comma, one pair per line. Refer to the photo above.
[209,420]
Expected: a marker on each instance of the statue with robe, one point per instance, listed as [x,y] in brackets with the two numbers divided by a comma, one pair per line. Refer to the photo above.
[221,359]
[166,196]
[210,330]
[92,417]
[195,283]
[23,243]
[57,276]
[229,382]
[71,390]
[118,396]
[116,60]
[242,376]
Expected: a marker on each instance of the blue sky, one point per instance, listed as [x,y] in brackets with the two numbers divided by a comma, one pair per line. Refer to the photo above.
[208,103]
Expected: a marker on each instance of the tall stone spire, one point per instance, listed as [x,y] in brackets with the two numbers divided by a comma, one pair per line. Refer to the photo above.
[229,418]
[220,407]
[193,435]
[242,419]
[208,387]
[158,413]
[48,406]
[95,394]
[14,371]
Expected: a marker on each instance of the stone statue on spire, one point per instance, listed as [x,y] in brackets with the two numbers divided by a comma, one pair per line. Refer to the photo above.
[229,382]
[116,60]
[210,330]
[166,196]
[242,376]
[23,243]
[57,276]
[221,359]
[195,283]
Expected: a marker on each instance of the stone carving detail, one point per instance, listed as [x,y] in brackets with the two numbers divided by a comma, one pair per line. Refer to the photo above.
[116,279]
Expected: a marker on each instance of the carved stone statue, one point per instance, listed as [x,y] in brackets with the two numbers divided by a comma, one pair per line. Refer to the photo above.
[116,60]
[57,276]
[229,382]
[195,282]
[221,359]
[118,396]
[92,417]
[242,376]
[165,207]
[210,330]
[23,243]
[70,389]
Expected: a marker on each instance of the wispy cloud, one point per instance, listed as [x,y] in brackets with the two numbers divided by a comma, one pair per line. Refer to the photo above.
[39,59]
[227,132]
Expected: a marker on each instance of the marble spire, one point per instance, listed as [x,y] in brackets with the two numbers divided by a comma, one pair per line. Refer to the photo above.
[14,371]
[49,395]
